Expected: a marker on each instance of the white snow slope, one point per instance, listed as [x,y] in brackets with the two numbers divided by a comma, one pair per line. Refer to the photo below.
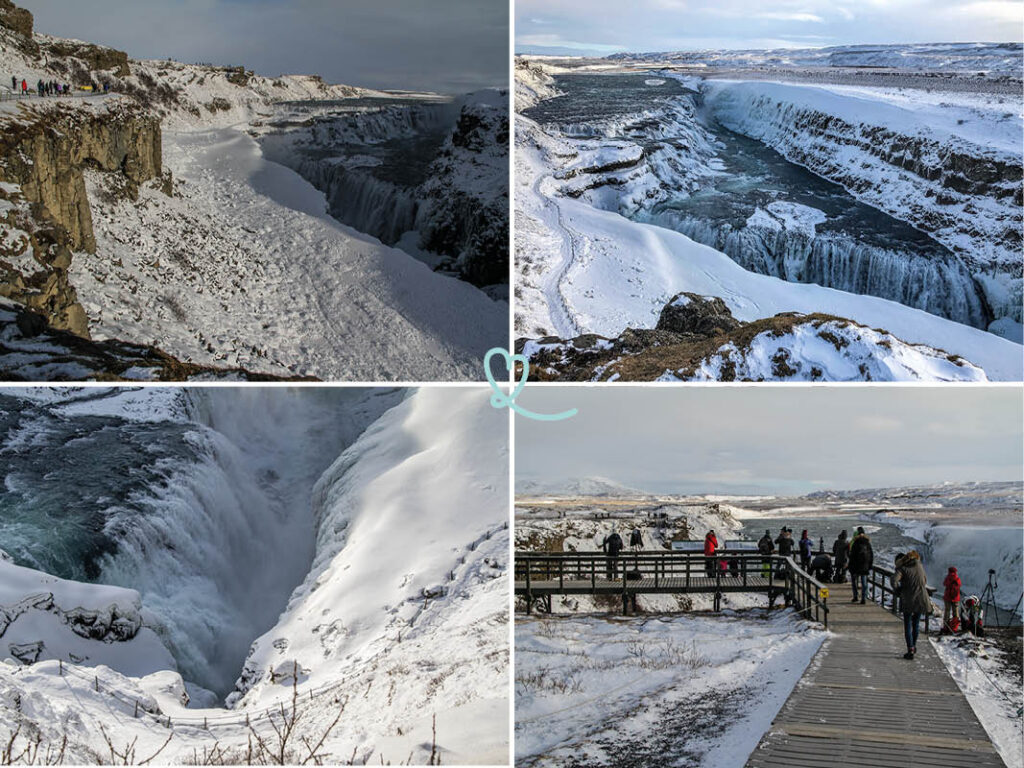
[584,270]
[402,617]
[244,267]
[670,691]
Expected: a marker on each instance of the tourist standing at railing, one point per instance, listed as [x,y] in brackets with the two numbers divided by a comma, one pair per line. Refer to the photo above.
[766,547]
[636,540]
[806,545]
[785,542]
[24,87]
[862,557]
[710,545]
[611,546]
[951,602]
[841,553]
[911,584]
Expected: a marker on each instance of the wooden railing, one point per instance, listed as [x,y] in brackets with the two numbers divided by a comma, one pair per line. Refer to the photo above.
[667,571]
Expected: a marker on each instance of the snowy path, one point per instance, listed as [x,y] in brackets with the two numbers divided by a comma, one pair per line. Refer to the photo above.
[861,703]
[243,267]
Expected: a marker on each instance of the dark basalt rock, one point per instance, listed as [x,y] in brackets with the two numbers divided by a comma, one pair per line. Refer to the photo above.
[693,314]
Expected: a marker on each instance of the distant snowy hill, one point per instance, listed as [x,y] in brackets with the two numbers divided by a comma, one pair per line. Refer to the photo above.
[585,486]
[993,58]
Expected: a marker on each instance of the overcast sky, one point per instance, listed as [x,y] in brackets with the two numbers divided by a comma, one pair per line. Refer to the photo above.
[606,26]
[451,46]
[772,440]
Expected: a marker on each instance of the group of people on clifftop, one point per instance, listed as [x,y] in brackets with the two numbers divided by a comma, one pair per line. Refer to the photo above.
[47,87]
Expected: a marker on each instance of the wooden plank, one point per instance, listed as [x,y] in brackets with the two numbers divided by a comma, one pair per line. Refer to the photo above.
[861,703]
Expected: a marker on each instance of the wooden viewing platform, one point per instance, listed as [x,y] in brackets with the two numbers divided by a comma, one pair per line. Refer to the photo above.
[539,576]
[860,703]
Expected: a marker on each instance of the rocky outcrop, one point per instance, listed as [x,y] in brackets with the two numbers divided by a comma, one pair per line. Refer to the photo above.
[698,339]
[464,213]
[47,154]
[18,22]
[16,19]
[97,58]
[44,205]
[693,314]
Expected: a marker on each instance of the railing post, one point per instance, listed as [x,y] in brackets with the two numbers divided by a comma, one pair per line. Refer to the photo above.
[529,589]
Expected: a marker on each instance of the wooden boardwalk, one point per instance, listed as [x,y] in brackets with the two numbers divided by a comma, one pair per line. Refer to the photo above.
[860,703]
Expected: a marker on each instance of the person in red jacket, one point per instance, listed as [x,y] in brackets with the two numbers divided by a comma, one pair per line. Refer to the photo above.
[710,545]
[951,602]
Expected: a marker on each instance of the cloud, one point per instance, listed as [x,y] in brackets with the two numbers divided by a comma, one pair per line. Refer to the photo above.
[657,25]
[782,16]
[776,439]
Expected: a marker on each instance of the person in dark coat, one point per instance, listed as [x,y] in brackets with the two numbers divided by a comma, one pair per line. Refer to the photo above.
[611,546]
[806,547]
[821,567]
[766,547]
[862,557]
[710,545]
[636,540]
[911,584]
[14,84]
[841,553]
[785,543]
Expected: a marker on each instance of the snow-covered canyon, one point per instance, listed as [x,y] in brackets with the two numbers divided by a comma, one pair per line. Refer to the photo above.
[188,236]
[178,546]
[692,156]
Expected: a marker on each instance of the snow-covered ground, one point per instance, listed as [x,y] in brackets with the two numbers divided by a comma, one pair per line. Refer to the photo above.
[244,267]
[399,624]
[993,690]
[668,690]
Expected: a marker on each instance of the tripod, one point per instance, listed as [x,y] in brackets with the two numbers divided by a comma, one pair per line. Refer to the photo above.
[988,597]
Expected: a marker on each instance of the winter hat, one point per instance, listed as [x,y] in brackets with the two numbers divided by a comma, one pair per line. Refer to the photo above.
[952,569]
[860,529]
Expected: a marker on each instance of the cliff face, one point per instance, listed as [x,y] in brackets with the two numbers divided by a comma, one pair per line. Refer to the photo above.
[45,153]
[47,156]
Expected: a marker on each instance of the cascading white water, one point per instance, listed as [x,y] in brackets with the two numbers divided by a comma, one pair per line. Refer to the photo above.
[209,516]
[941,286]
[361,200]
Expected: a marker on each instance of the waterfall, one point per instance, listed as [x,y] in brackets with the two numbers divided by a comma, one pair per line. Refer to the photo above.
[209,516]
[936,283]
